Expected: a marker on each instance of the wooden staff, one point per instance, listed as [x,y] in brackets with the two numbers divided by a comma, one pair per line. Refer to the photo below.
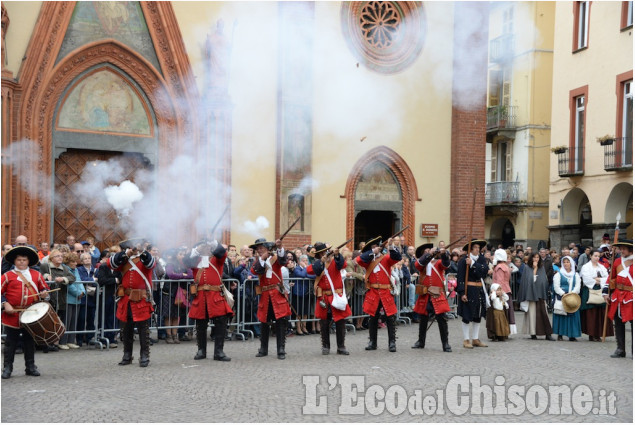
[606,309]
[469,244]
[35,295]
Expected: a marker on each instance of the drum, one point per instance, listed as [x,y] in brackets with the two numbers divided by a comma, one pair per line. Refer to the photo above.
[44,325]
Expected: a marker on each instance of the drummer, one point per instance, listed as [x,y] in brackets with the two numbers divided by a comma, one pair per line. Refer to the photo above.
[21,287]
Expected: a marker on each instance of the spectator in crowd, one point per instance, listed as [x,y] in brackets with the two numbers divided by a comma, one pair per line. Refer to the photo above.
[502,276]
[564,282]
[410,253]
[409,290]
[355,273]
[74,295]
[454,263]
[605,255]
[533,290]
[490,268]
[242,272]
[311,254]
[6,266]
[593,275]
[299,291]
[87,313]
[21,241]
[59,276]
[108,280]
[584,258]
[575,252]
[89,247]
[178,274]
[44,250]
[158,274]
[70,241]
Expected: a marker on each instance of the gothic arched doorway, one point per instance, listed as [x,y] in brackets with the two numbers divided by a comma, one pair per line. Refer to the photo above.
[380,192]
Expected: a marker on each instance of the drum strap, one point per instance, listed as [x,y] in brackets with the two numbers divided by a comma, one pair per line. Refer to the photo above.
[26,281]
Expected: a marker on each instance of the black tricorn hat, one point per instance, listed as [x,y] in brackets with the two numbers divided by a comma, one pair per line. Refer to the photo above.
[421,248]
[320,247]
[131,243]
[262,241]
[369,245]
[480,242]
[24,251]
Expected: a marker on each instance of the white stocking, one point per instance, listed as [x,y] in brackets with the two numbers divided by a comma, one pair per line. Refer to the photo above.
[466,331]
[475,328]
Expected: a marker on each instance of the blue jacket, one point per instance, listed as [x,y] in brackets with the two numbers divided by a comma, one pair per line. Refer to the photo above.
[75,289]
[301,287]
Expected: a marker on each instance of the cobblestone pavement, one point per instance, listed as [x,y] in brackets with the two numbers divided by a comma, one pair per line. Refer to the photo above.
[87,385]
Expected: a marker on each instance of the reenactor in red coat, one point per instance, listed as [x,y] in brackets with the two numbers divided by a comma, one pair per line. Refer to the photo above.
[206,261]
[21,287]
[432,299]
[379,287]
[621,298]
[135,305]
[273,304]
[326,268]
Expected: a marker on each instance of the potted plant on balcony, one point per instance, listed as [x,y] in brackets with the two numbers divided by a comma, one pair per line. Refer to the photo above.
[559,149]
[502,115]
[606,140]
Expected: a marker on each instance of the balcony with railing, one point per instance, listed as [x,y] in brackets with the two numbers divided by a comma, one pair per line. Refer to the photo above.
[501,117]
[497,193]
[570,161]
[501,48]
[618,154]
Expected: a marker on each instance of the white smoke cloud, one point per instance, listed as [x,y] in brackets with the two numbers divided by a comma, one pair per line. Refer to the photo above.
[255,228]
[123,197]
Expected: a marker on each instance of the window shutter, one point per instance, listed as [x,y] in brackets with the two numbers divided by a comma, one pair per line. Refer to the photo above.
[494,163]
[508,162]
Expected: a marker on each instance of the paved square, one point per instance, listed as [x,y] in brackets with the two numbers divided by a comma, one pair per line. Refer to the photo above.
[86,385]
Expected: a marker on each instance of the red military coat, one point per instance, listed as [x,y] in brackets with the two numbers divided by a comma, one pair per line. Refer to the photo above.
[336,277]
[131,279]
[622,299]
[379,276]
[440,303]
[16,293]
[209,304]
[279,302]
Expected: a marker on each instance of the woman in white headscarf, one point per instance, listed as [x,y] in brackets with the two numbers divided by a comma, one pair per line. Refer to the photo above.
[502,274]
[566,281]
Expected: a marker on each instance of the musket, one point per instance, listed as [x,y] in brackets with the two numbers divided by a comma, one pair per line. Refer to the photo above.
[615,239]
[290,227]
[396,234]
[438,253]
[218,222]
[469,246]
[330,251]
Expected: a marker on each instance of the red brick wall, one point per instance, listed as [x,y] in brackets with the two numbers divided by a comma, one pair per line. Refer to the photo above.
[469,121]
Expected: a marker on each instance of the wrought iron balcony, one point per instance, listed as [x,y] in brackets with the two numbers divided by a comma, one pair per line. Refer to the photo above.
[499,117]
[502,193]
[501,48]
[618,154]
[570,162]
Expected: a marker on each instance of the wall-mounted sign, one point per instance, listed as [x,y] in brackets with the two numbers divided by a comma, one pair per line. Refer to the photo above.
[429,230]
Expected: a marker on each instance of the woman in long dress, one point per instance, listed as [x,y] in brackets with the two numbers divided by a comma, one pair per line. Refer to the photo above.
[502,275]
[593,275]
[533,289]
[567,281]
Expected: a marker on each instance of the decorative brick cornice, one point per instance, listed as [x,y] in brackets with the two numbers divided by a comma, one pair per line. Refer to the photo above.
[398,166]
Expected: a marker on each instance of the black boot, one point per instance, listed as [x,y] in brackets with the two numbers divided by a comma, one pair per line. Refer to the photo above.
[620,336]
[326,339]
[443,332]
[392,333]
[144,342]
[29,358]
[9,356]
[220,325]
[423,330]
[372,333]
[127,335]
[201,339]
[264,339]
[340,336]
[281,335]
